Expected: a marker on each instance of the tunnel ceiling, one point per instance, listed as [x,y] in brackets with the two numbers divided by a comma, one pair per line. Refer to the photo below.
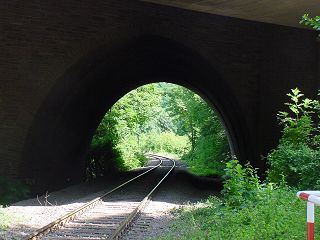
[284,12]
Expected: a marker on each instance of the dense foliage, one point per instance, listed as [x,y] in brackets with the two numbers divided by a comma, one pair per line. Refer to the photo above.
[279,215]
[12,190]
[159,118]
[249,210]
[297,156]
[242,185]
[196,119]
[117,142]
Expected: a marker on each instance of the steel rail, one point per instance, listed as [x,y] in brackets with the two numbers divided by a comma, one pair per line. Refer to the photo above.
[70,216]
[126,223]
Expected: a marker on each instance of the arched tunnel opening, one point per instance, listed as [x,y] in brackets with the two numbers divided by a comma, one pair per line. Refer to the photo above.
[60,136]
[163,119]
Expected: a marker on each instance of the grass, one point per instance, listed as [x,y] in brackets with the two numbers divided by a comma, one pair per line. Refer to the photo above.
[279,215]
[200,170]
[7,218]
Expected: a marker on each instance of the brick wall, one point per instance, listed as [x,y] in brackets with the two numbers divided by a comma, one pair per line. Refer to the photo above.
[62,64]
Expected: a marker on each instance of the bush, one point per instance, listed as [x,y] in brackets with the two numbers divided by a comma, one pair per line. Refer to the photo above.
[296,158]
[242,184]
[209,156]
[102,158]
[211,151]
[249,210]
[131,152]
[166,142]
[12,190]
[278,215]
[297,164]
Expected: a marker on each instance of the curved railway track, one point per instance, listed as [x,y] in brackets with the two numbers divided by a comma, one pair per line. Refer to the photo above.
[108,216]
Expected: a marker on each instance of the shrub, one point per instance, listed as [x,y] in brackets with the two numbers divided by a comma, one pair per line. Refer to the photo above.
[297,164]
[131,153]
[242,184]
[250,210]
[209,156]
[12,190]
[166,142]
[211,150]
[103,157]
[278,215]
[296,158]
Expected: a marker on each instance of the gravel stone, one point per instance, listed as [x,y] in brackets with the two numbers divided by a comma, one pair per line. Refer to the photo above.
[180,188]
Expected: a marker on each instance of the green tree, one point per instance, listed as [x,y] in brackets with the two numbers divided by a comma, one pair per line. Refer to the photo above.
[196,119]
[158,117]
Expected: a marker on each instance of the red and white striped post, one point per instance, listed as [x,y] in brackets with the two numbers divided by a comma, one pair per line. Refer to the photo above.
[312,198]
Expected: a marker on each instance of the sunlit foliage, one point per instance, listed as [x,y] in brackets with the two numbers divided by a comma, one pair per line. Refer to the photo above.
[159,118]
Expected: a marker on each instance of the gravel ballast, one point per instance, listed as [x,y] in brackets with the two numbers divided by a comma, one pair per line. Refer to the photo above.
[180,188]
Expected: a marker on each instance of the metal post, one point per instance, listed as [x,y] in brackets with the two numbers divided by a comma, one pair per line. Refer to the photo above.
[310,221]
[312,198]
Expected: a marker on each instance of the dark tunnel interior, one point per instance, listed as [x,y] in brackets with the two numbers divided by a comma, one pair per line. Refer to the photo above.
[64,125]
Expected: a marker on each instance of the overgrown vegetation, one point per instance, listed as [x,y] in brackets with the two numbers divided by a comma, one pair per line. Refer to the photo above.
[278,214]
[159,118]
[298,155]
[249,209]
[209,146]
[12,190]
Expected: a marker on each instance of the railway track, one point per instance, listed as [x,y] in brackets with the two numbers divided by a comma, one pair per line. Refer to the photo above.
[108,216]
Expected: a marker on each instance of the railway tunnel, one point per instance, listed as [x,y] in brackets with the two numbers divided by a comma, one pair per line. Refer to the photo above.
[70,114]
[65,64]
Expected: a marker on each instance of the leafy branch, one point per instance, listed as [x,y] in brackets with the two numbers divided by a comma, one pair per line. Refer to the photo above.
[313,22]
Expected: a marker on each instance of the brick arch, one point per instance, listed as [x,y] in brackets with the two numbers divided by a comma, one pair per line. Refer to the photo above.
[64,125]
